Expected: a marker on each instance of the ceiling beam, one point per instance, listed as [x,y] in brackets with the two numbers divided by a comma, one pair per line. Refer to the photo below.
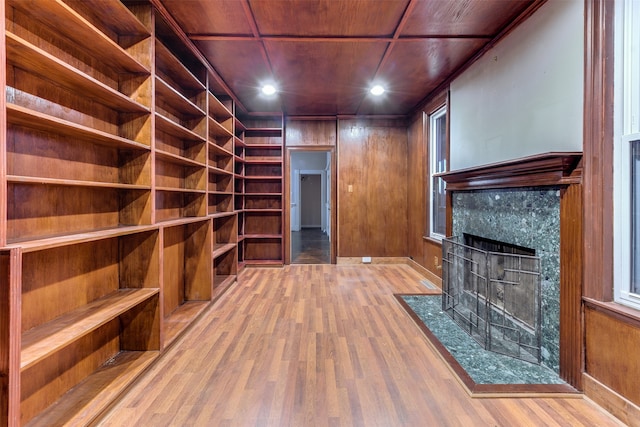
[257,37]
[340,39]
[396,35]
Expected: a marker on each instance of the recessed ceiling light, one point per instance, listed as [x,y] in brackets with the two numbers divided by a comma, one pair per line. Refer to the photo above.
[268,89]
[377,90]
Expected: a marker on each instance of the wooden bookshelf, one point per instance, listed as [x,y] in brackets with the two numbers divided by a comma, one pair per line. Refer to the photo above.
[119,179]
[259,166]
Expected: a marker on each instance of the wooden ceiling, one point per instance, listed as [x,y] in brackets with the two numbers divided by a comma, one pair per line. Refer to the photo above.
[324,55]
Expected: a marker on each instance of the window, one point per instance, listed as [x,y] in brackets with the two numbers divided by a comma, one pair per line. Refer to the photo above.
[437,164]
[627,154]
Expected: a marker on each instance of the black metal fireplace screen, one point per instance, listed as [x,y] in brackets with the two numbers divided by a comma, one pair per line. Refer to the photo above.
[494,296]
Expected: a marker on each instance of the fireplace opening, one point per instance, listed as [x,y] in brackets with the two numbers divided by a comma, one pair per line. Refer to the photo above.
[492,290]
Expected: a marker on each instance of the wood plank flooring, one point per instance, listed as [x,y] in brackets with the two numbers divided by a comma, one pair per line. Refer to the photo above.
[321,345]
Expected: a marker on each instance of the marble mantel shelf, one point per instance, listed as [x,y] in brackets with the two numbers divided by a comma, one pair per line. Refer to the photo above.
[554,168]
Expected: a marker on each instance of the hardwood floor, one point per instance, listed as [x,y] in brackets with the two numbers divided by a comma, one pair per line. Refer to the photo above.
[321,345]
[310,246]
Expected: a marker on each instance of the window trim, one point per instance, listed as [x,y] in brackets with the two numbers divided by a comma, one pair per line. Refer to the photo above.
[437,113]
[626,130]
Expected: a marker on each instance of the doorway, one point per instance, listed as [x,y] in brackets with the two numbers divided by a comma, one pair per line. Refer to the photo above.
[310,196]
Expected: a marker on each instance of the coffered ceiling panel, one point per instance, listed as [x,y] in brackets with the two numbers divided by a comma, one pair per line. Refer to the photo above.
[418,64]
[305,71]
[210,16]
[327,17]
[324,54]
[242,67]
[461,17]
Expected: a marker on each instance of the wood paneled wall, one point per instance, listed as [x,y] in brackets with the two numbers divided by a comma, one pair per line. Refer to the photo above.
[611,345]
[416,188]
[612,331]
[571,265]
[372,188]
[423,250]
[310,132]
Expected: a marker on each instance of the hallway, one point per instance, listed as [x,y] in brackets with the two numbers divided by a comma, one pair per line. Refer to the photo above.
[321,346]
[310,246]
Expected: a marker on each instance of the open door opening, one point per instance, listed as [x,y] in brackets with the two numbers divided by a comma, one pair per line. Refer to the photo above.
[310,207]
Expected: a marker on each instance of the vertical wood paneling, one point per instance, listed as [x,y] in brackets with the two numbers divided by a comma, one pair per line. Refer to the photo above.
[598,150]
[433,257]
[427,252]
[10,330]
[372,162]
[611,346]
[311,132]
[571,285]
[416,188]
[3,135]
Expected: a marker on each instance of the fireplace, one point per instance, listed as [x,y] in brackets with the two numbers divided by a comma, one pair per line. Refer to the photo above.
[528,203]
[491,289]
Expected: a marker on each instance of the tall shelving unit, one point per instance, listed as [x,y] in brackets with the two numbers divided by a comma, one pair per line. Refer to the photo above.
[82,254]
[260,201]
[118,219]
[181,172]
[239,183]
[221,191]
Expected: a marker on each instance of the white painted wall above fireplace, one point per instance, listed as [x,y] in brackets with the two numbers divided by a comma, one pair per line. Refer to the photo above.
[525,95]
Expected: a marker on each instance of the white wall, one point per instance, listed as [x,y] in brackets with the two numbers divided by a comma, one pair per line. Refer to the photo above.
[308,160]
[525,95]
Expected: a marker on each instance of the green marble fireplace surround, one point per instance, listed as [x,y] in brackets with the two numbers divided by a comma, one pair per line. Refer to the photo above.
[528,217]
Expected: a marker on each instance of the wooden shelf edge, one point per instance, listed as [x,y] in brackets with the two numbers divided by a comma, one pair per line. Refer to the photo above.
[73,239]
[44,340]
[264,177]
[171,127]
[265,131]
[222,249]
[169,93]
[95,394]
[263,161]
[181,190]
[35,180]
[177,67]
[263,262]
[221,130]
[222,214]
[63,18]
[44,64]
[262,236]
[249,145]
[217,108]
[220,150]
[218,171]
[177,159]
[182,221]
[25,117]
